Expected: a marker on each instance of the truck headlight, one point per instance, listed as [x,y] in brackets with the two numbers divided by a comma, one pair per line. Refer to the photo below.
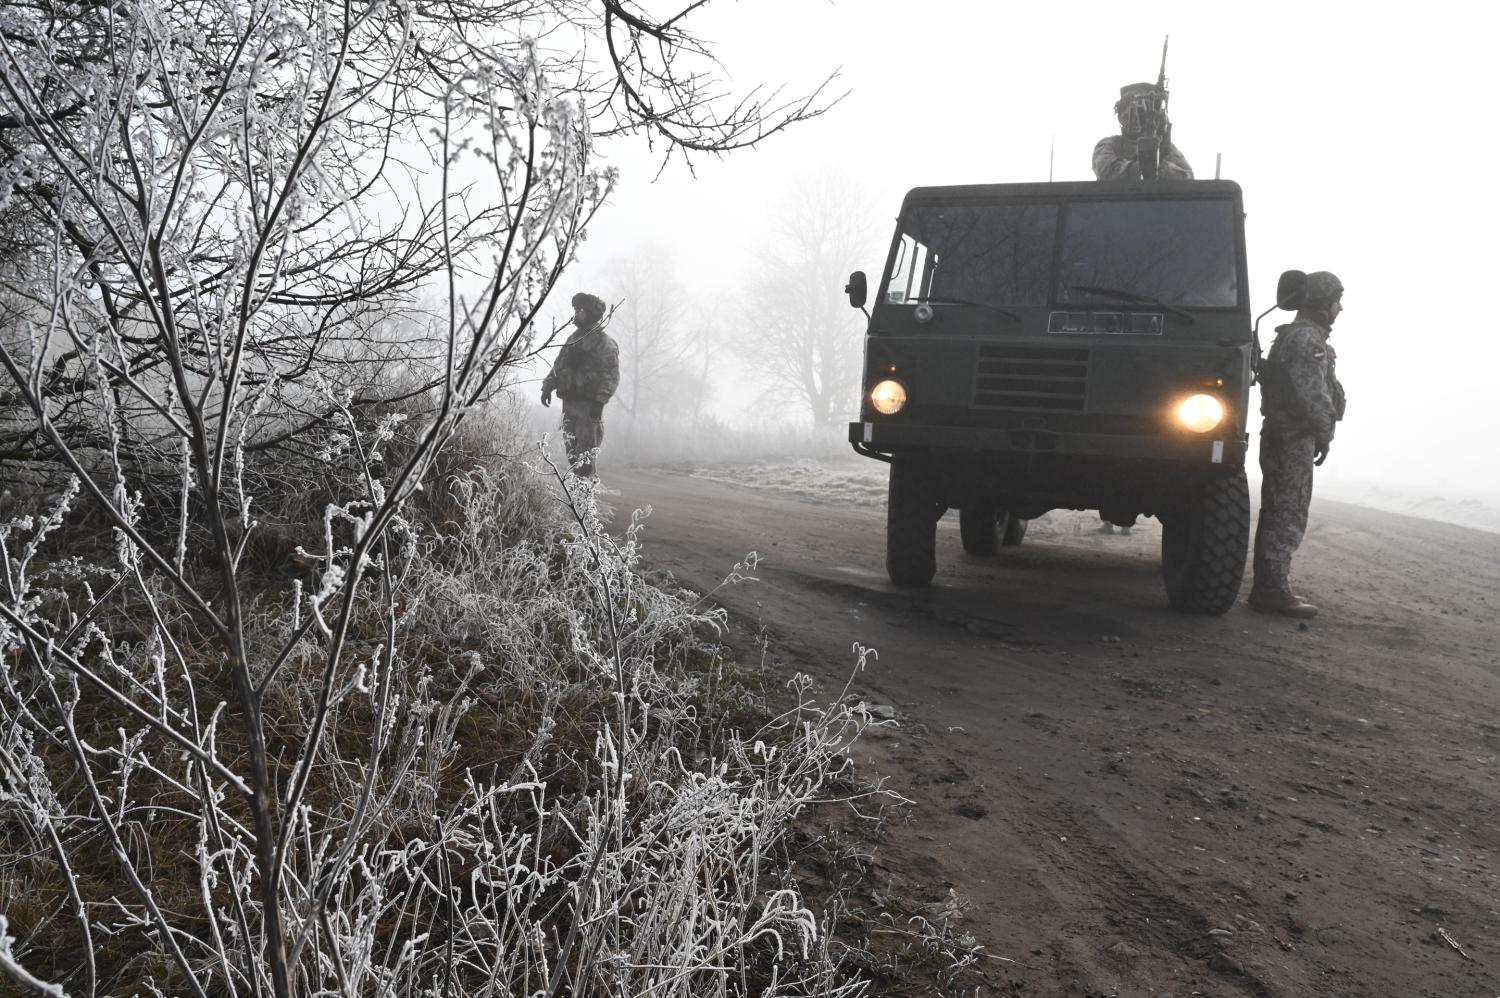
[888,397]
[1200,413]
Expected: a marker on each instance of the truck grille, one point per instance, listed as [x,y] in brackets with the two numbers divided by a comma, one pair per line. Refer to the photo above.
[1040,379]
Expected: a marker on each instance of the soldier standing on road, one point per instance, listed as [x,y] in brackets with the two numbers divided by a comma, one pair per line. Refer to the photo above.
[1301,400]
[1118,157]
[585,376]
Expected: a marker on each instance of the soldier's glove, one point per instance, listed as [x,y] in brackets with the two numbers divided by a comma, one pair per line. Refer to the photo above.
[596,411]
[1321,453]
[546,397]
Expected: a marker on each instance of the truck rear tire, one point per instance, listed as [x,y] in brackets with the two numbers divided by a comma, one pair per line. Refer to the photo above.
[911,516]
[1204,545]
[980,529]
[1015,531]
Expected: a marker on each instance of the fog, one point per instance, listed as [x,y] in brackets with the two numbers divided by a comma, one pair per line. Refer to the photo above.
[1350,135]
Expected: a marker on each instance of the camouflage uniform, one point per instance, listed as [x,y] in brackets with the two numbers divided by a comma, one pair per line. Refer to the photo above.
[1115,156]
[585,376]
[1115,159]
[1301,399]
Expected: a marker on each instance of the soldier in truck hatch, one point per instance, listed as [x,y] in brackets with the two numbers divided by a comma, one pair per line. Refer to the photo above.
[1145,136]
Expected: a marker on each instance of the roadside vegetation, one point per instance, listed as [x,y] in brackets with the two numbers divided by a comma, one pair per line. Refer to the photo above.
[534,772]
[315,678]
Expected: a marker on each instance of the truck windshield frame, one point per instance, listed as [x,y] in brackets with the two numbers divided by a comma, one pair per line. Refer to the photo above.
[1180,252]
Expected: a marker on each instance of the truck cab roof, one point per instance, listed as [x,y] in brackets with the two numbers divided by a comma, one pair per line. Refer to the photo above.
[1124,189]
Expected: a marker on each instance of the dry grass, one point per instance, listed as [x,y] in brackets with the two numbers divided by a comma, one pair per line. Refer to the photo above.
[569,789]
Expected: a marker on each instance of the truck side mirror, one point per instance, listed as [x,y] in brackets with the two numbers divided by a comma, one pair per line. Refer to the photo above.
[1291,290]
[857,289]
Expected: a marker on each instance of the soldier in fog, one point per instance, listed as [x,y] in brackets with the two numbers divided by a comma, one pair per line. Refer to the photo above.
[585,376]
[1145,135]
[1301,400]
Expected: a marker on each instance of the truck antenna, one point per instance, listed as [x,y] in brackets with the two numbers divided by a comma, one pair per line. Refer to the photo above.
[1051,157]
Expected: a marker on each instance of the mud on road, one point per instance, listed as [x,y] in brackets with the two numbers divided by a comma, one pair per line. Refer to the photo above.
[1138,803]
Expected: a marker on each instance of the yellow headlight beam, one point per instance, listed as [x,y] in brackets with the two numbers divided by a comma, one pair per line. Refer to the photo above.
[1200,413]
[888,397]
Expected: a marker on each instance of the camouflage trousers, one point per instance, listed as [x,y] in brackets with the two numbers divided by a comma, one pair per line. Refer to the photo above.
[1286,468]
[583,435]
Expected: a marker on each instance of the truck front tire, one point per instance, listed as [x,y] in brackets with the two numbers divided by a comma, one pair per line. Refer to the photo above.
[1204,544]
[911,516]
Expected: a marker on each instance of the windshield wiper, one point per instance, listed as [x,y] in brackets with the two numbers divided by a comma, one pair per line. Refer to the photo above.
[1131,296]
[964,301]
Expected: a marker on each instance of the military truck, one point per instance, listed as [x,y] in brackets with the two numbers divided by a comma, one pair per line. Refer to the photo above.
[1034,347]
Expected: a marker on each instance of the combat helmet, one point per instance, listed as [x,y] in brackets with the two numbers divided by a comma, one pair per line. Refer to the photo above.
[1136,95]
[1133,92]
[1139,103]
[592,305]
[1323,287]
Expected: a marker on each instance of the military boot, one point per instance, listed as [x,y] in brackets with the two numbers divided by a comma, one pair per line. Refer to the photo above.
[1281,601]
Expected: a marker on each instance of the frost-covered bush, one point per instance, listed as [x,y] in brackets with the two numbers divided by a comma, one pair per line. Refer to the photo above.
[259,734]
[515,792]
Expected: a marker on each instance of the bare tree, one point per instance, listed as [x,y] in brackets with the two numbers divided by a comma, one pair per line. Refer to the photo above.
[806,339]
[651,324]
[705,362]
[225,215]
[293,115]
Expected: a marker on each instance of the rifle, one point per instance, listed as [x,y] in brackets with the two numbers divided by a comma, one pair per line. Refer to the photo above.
[1155,126]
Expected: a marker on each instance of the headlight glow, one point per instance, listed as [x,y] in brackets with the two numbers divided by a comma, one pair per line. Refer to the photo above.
[888,397]
[1200,413]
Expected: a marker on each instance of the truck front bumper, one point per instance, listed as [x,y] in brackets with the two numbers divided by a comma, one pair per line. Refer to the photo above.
[879,439]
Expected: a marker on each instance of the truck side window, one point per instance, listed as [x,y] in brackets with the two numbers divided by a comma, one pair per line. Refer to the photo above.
[910,271]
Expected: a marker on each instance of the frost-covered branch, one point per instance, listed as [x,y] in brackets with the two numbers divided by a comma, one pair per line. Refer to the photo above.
[292,702]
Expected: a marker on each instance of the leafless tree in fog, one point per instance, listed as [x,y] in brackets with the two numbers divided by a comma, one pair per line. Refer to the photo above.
[653,322]
[213,310]
[800,332]
[213,79]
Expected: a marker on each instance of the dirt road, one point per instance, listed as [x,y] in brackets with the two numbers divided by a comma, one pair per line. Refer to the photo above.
[1139,803]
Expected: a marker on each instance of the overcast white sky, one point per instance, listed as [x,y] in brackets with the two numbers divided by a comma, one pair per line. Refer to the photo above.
[1361,140]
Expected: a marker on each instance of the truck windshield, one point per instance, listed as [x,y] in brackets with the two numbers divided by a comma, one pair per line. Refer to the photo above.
[994,254]
[1172,252]
[1158,251]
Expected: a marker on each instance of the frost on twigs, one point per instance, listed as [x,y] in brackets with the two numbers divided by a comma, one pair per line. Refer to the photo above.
[527,755]
[294,700]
